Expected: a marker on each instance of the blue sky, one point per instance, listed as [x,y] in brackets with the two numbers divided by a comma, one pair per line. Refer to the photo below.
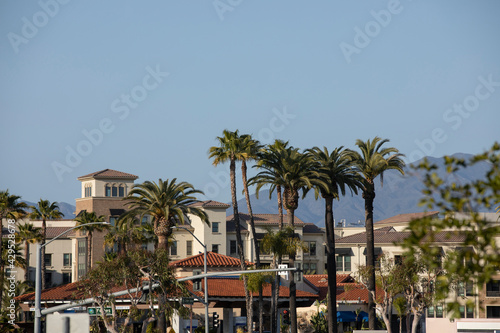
[146,87]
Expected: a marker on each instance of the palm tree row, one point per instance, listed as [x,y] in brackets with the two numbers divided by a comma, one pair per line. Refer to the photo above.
[292,173]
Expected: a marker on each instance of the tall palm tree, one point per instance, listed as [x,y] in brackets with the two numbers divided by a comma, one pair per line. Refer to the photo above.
[372,161]
[167,202]
[270,156]
[126,232]
[83,220]
[337,173]
[294,172]
[10,208]
[30,235]
[230,150]
[45,210]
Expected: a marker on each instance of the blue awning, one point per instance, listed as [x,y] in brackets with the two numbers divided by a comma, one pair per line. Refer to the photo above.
[363,316]
[346,316]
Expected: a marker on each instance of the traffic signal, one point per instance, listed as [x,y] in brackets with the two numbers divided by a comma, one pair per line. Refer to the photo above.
[215,320]
[286,317]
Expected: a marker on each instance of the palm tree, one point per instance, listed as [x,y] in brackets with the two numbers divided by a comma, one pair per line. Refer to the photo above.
[83,220]
[45,210]
[371,163]
[293,171]
[167,202]
[30,234]
[10,208]
[125,232]
[230,149]
[337,173]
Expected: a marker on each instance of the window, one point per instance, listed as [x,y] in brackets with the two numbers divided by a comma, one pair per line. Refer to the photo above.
[121,191]
[107,190]
[114,191]
[173,248]
[430,312]
[493,289]
[88,190]
[144,220]
[189,248]
[470,312]
[309,268]
[343,263]
[215,248]
[462,311]
[493,312]
[48,279]
[298,273]
[112,221]
[67,259]
[215,227]
[469,289]
[66,278]
[81,270]
[398,260]
[232,247]
[197,282]
[439,311]
[312,248]
[48,259]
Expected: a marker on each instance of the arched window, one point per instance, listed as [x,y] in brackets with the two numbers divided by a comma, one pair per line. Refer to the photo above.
[114,191]
[107,190]
[121,190]
[88,190]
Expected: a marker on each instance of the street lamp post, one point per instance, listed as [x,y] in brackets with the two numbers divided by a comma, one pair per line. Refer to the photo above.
[204,271]
[38,277]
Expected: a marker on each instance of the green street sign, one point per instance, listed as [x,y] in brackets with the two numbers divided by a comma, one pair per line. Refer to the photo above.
[187,300]
[97,311]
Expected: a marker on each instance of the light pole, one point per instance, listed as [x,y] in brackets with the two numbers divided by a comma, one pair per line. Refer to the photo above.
[204,271]
[38,277]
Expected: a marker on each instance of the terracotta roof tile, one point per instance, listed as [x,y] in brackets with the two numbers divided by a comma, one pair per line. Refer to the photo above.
[264,219]
[320,282]
[108,174]
[408,217]
[211,203]
[388,235]
[213,260]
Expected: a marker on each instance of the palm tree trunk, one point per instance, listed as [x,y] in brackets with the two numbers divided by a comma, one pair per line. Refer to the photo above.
[280,207]
[331,266]
[239,241]
[89,249]
[27,258]
[255,241]
[276,283]
[370,256]
[293,287]
[44,269]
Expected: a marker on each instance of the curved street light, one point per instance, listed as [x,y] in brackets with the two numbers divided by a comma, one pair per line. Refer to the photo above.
[38,277]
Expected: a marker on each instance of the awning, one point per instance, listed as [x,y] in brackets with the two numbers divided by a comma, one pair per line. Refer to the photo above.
[346,316]
[116,212]
[363,316]
[378,251]
[344,251]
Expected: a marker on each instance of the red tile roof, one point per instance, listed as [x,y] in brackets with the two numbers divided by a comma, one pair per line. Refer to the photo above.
[320,282]
[213,260]
[55,231]
[264,219]
[211,203]
[108,174]
[233,287]
[408,217]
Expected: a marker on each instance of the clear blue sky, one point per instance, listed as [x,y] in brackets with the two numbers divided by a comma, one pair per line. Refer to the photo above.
[84,84]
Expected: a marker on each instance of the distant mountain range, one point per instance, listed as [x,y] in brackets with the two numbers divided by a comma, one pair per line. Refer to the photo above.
[398,195]
[67,209]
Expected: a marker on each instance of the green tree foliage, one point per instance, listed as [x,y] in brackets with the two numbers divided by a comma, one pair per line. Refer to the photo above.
[30,235]
[45,210]
[84,220]
[320,322]
[479,258]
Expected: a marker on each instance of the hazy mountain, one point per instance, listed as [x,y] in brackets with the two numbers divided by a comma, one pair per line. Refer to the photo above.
[398,195]
[67,209]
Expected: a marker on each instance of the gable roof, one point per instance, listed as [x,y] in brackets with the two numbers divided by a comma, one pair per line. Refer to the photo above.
[109,174]
[402,218]
[213,260]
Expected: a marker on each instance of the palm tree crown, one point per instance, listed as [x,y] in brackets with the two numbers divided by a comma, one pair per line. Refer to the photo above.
[167,202]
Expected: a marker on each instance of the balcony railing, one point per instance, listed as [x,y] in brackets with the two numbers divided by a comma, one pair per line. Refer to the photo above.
[491,293]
